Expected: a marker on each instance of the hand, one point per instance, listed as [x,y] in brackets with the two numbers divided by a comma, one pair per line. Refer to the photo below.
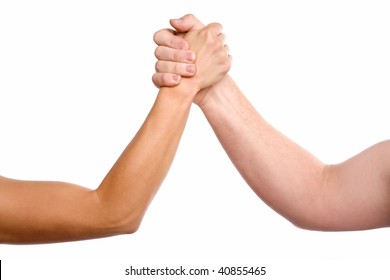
[172,51]
[212,55]
[175,59]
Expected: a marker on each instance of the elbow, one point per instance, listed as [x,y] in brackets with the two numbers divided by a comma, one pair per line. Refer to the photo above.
[130,227]
[123,224]
[309,225]
[319,220]
[118,219]
[316,218]
[118,222]
[333,225]
[111,226]
[317,213]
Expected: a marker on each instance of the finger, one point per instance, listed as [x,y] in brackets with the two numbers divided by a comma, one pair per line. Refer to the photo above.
[169,54]
[167,38]
[182,69]
[186,23]
[165,80]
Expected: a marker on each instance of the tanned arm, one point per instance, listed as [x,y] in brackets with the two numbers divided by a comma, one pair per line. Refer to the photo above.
[40,212]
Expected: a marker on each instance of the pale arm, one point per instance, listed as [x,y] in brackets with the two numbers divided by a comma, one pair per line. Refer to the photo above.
[36,212]
[353,195]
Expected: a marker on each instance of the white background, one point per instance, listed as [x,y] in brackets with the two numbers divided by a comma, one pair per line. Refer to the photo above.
[75,86]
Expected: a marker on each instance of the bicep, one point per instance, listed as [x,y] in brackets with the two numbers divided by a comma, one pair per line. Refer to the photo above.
[356,193]
[32,211]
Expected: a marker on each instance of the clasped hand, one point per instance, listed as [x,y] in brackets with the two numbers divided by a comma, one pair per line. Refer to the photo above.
[192,51]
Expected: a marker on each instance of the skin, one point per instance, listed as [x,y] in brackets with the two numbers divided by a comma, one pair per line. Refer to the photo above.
[41,212]
[352,195]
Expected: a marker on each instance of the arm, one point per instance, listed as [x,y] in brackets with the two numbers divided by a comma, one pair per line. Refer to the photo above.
[353,195]
[36,212]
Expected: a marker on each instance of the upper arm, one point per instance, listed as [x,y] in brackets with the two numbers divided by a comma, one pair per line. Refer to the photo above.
[32,211]
[356,193]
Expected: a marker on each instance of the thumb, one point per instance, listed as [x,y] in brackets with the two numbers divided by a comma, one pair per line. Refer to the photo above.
[186,23]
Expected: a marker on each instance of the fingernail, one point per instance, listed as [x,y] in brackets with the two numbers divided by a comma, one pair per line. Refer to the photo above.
[190,56]
[177,21]
[183,46]
[175,77]
[190,69]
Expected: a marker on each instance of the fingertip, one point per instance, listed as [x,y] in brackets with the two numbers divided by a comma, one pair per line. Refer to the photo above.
[176,78]
[191,70]
[191,56]
[170,80]
[165,80]
[186,23]
[176,20]
[155,80]
[177,23]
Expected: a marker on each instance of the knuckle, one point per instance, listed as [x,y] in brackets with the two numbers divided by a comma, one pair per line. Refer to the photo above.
[176,56]
[157,66]
[178,68]
[156,36]
[155,80]
[157,52]
[164,37]
[209,37]
[173,42]
[189,16]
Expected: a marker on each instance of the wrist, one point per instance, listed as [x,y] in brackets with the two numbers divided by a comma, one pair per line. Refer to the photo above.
[190,86]
[185,91]
[217,94]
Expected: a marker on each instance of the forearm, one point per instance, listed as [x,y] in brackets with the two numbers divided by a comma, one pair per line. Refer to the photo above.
[276,169]
[133,181]
[287,177]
